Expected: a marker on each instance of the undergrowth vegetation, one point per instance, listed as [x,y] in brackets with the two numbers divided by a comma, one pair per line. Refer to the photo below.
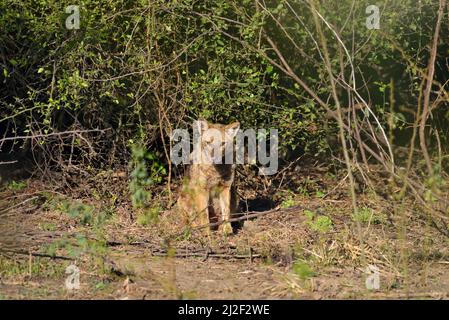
[361,114]
[139,70]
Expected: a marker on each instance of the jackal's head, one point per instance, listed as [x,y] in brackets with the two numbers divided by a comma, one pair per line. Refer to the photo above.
[215,144]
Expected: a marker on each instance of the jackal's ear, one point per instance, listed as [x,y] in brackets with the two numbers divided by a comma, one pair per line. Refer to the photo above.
[201,125]
[233,128]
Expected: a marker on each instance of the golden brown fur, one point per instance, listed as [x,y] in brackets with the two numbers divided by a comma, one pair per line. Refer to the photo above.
[208,195]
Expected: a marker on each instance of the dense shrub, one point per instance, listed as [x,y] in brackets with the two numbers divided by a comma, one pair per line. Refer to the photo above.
[141,69]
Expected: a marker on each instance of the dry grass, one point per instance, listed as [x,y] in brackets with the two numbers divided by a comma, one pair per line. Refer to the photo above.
[295,251]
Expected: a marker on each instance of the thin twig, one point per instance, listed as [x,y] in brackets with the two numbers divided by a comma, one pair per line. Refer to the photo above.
[53,134]
[430,75]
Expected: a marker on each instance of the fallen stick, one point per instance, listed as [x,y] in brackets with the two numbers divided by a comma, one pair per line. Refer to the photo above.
[36,254]
[3,210]
[411,295]
[208,255]
[183,253]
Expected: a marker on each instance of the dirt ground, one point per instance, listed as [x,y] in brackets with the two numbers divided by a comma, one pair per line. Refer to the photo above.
[308,245]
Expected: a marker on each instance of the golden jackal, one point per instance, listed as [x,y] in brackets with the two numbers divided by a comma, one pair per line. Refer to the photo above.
[207,194]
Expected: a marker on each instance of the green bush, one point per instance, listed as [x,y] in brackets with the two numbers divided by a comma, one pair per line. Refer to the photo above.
[139,66]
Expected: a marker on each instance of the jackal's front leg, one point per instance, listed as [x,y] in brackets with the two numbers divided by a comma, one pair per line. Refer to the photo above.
[201,217]
[225,207]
